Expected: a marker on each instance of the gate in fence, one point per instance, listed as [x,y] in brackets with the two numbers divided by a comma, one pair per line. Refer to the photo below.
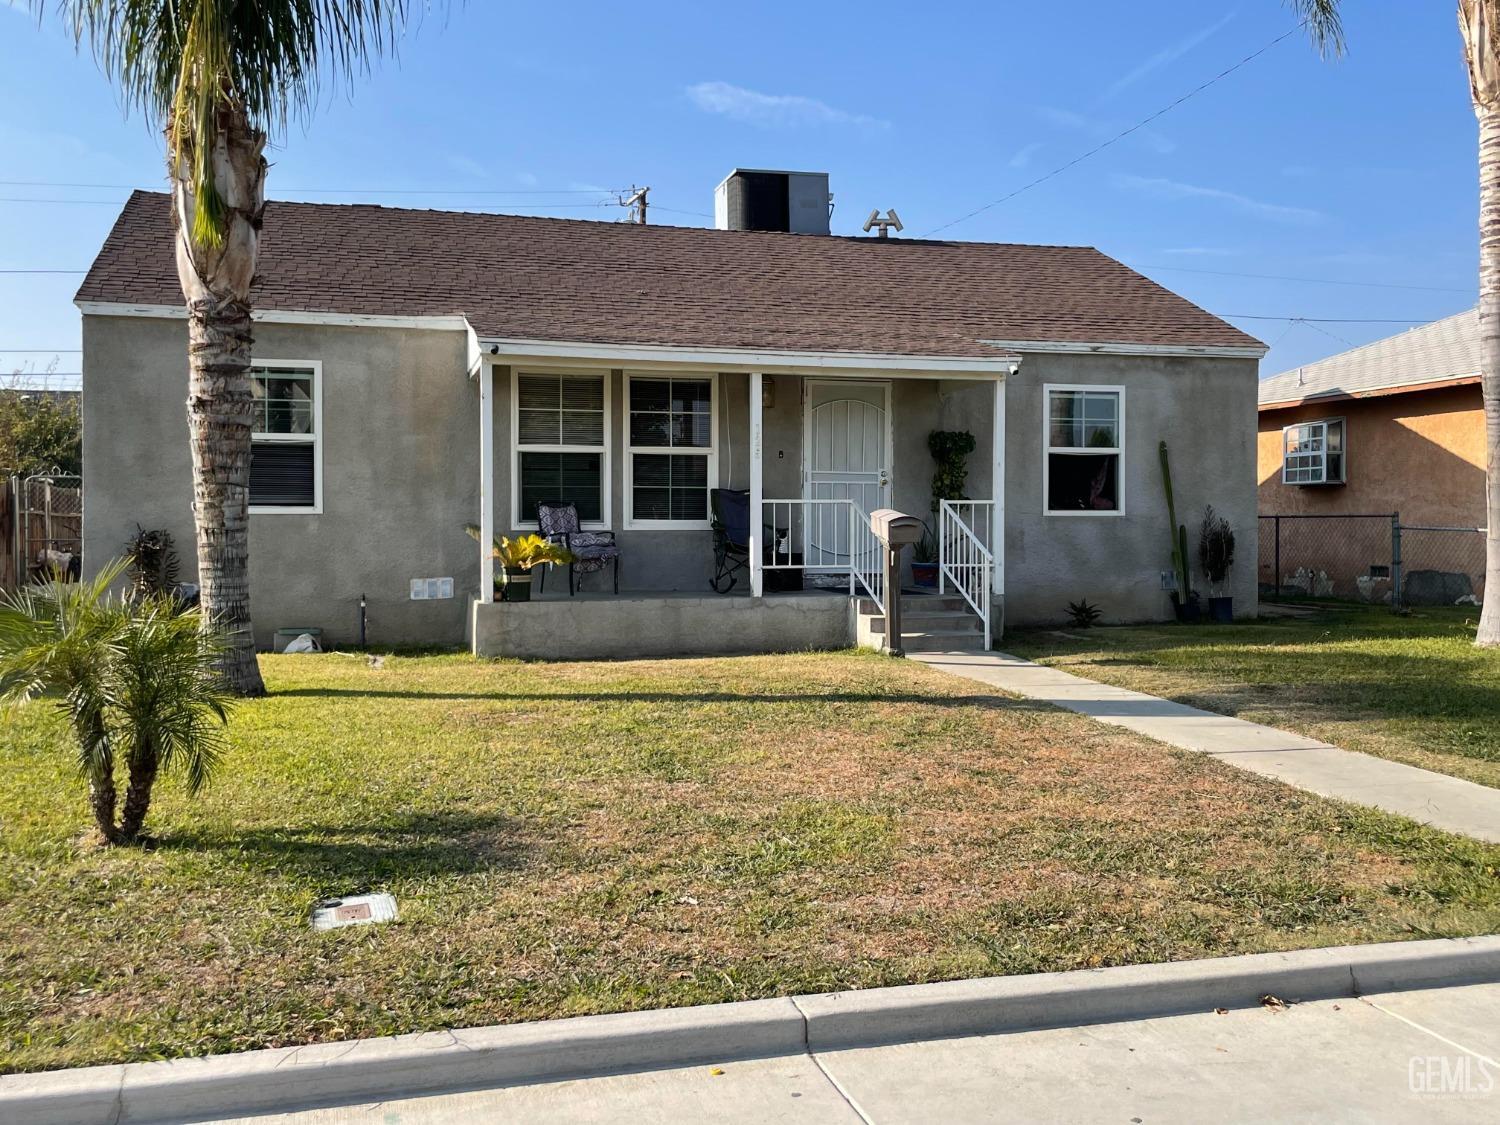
[1371,558]
[41,520]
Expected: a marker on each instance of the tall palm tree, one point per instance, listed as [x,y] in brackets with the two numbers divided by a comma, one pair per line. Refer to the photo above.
[218,75]
[1479,22]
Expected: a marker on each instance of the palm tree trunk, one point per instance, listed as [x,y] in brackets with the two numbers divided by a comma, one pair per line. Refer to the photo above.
[219,418]
[216,281]
[1489,358]
[101,773]
[143,766]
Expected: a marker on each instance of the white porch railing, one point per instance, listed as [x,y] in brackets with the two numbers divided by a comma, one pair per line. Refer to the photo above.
[825,536]
[964,557]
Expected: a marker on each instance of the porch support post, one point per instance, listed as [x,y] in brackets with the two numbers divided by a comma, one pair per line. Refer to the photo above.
[757,491]
[486,481]
[997,488]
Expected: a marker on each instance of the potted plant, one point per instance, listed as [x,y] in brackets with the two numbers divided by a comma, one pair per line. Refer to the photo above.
[517,558]
[924,560]
[1216,557]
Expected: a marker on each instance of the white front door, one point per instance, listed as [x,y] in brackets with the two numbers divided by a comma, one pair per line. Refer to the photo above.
[847,456]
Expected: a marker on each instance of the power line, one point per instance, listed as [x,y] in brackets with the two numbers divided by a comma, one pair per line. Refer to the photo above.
[1141,124]
[1326,319]
[44,271]
[1310,280]
[335,191]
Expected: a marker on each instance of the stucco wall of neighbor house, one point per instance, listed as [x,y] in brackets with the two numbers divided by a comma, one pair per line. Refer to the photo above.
[1204,408]
[1420,454]
[635,627]
[400,446]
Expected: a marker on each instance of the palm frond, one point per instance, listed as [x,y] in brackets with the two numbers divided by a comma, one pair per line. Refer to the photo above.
[183,63]
[1324,23]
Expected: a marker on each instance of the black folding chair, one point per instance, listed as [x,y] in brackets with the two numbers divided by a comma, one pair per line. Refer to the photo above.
[730,519]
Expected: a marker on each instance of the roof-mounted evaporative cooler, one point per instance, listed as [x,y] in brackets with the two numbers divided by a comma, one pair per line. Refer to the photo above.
[757,199]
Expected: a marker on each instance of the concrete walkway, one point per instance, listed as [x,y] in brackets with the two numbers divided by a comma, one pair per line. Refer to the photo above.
[1433,798]
[1422,1056]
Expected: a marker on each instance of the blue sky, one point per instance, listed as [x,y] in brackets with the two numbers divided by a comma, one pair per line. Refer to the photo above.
[1359,170]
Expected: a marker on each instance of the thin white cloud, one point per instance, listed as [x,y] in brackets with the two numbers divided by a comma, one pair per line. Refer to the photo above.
[1162,188]
[1163,57]
[1199,251]
[467,166]
[527,179]
[772,110]
[1023,155]
[1101,129]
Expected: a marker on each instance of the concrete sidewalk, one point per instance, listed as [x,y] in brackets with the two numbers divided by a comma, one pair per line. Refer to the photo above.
[1433,798]
[1426,1056]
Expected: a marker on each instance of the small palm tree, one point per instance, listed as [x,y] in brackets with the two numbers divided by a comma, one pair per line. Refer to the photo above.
[138,682]
[218,75]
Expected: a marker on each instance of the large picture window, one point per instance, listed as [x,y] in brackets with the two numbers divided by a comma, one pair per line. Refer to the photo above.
[560,443]
[1084,434]
[1313,452]
[285,440]
[672,452]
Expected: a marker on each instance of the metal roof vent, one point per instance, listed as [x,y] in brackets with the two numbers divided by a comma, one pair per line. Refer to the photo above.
[759,199]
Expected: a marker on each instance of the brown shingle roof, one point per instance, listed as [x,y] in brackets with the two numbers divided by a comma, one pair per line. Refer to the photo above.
[614,283]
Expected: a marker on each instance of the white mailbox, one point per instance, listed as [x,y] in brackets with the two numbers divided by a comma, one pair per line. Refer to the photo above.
[896,529]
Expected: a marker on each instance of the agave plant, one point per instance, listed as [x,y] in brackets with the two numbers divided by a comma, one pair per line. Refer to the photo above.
[139,682]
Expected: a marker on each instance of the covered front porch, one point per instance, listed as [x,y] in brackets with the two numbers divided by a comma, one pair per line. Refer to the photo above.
[652,446]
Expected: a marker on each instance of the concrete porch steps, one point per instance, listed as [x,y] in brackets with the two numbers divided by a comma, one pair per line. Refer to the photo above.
[929,623]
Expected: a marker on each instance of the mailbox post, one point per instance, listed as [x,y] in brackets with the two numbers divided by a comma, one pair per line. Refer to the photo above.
[896,531]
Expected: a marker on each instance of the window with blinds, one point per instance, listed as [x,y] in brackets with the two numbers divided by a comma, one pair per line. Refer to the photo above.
[284,449]
[560,444]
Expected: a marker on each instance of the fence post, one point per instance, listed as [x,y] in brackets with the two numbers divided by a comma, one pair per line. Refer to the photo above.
[1396,562]
[1277,533]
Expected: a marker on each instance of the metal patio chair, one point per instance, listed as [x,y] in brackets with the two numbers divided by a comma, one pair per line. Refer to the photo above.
[591,550]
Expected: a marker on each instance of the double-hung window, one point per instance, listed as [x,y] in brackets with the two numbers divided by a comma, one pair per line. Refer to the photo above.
[672,451]
[1313,452]
[286,470]
[1084,434]
[560,445]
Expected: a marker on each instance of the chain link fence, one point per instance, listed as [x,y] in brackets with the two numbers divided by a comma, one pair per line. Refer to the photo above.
[1372,558]
[41,528]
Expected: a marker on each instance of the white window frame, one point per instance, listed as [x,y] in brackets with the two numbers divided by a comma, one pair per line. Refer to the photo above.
[606,498]
[315,366]
[711,451]
[1323,423]
[1118,449]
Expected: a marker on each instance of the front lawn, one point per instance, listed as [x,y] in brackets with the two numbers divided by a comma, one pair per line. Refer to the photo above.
[565,839]
[1410,688]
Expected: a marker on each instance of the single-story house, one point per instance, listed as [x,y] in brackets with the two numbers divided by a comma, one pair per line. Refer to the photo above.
[422,370]
[1394,428]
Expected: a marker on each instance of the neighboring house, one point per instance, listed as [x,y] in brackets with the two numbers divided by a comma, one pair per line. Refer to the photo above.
[419,370]
[1393,427]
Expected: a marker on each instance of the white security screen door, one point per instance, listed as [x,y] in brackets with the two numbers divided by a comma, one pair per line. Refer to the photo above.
[847,457]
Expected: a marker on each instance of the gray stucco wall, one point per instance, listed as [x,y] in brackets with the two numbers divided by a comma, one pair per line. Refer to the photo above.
[1205,410]
[400,454]
[400,447]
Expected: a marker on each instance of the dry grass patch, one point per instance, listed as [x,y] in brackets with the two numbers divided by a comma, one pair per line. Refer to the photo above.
[566,839]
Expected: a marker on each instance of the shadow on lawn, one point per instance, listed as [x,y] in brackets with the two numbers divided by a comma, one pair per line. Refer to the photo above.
[348,858]
[997,701]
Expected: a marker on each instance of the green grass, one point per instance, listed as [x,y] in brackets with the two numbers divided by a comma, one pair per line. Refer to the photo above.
[1410,688]
[567,839]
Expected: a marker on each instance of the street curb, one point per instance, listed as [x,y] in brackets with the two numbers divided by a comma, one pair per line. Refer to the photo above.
[368,1070]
